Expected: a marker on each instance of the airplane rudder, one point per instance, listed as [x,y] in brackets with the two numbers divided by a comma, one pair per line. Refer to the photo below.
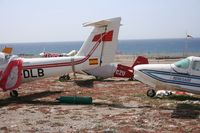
[140,60]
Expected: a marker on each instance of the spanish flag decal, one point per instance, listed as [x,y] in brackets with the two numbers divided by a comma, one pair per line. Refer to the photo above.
[93,61]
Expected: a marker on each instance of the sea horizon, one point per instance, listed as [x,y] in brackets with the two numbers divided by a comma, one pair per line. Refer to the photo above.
[46,42]
[160,47]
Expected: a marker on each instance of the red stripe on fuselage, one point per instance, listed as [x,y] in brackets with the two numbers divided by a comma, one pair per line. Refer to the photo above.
[70,63]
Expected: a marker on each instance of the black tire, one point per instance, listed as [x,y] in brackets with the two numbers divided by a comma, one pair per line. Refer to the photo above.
[61,79]
[64,78]
[14,93]
[151,93]
[67,77]
[99,78]
[131,79]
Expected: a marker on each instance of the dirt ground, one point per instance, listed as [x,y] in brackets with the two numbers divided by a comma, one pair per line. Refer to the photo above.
[118,105]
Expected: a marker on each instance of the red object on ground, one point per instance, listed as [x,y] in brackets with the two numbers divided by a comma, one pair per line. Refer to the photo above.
[181,93]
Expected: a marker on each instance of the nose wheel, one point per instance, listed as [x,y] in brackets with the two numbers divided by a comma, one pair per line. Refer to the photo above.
[151,93]
[13,93]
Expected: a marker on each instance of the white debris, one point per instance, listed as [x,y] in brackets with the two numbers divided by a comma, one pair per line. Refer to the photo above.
[163,93]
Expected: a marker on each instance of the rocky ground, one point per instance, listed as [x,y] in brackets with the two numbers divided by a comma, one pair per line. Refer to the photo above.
[118,105]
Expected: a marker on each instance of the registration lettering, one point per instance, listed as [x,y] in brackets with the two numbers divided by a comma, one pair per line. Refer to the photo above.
[182,79]
[33,73]
[120,72]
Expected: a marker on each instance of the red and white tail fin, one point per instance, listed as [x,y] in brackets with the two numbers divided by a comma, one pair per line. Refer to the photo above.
[140,60]
[101,43]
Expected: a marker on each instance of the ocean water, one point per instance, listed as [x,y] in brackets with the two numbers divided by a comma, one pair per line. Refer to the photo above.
[135,47]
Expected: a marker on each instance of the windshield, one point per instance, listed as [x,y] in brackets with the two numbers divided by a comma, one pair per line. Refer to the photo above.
[184,63]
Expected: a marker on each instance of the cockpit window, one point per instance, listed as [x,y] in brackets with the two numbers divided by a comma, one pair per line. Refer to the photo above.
[196,65]
[184,63]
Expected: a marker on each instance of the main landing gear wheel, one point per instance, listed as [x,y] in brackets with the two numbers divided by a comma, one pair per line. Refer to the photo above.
[64,78]
[131,79]
[13,93]
[99,78]
[151,93]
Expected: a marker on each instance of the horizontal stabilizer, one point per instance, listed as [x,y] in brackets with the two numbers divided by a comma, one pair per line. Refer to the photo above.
[98,24]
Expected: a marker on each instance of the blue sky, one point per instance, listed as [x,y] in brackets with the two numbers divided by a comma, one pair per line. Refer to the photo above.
[61,20]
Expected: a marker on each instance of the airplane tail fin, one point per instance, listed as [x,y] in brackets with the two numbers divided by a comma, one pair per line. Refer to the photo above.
[140,60]
[100,46]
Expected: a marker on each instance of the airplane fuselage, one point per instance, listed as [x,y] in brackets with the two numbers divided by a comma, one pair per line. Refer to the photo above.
[171,76]
[36,68]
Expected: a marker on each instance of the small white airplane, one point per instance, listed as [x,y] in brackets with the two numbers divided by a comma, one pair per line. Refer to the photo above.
[51,54]
[183,75]
[98,50]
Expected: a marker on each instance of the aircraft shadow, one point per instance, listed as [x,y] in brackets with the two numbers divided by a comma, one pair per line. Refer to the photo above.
[85,83]
[186,111]
[30,99]
[89,82]
[183,98]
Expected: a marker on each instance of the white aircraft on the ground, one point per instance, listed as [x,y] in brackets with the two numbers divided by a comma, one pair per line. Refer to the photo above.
[98,50]
[183,75]
[51,54]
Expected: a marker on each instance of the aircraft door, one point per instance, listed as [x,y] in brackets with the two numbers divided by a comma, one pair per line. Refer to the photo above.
[195,69]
